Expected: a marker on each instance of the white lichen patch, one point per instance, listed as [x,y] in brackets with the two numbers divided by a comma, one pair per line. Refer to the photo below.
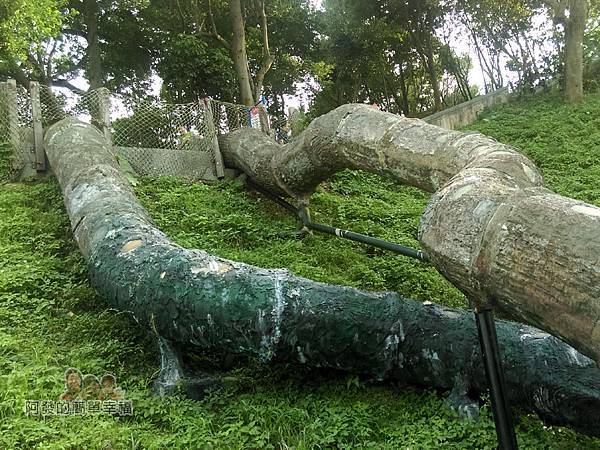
[577,358]
[218,267]
[214,267]
[430,354]
[529,172]
[301,356]
[397,328]
[588,210]
[483,208]
[391,342]
[270,340]
[81,196]
[131,245]
[460,192]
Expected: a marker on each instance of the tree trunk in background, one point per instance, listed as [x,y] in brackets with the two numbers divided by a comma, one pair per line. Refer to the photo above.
[202,301]
[433,75]
[94,66]
[268,59]
[404,90]
[238,52]
[490,228]
[574,30]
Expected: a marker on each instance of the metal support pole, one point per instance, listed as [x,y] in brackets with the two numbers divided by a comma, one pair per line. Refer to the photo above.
[212,133]
[488,340]
[357,237]
[304,215]
[38,131]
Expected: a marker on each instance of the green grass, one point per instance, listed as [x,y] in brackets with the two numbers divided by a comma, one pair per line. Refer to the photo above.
[562,140]
[50,319]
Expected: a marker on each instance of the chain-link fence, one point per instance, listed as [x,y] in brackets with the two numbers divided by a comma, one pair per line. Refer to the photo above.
[16,141]
[156,138]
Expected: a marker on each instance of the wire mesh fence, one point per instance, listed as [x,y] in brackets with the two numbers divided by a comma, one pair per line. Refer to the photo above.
[16,142]
[155,137]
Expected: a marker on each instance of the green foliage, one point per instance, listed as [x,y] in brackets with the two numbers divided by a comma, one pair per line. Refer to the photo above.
[6,157]
[562,140]
[50,318]
[193,69]
[243,226]
[25,24]
[591,49]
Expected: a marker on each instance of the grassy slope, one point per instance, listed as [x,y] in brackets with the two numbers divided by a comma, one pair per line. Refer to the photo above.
[50,319]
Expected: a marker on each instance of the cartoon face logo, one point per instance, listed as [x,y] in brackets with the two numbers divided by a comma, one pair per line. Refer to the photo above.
[73,381]
[88,387]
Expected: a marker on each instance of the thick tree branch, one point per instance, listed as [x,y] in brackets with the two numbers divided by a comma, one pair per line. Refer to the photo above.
[491,228]
[67,84]
[268,59]
[80,65]
[215,33]
[20,76]
[49,62]
[72,32]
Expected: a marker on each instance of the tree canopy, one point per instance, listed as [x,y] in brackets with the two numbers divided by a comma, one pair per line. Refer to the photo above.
[410,57]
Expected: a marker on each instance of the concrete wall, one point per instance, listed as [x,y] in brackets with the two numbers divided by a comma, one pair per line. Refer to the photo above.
[466,113]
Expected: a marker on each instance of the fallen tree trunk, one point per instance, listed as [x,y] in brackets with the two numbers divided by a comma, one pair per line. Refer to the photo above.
[490,228]
[202,301]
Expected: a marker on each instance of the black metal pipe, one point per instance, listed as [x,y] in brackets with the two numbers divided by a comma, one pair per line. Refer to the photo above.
[303,214]
[406,251]
[488,340]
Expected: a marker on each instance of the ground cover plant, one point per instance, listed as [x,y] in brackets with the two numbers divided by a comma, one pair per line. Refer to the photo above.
[50,319]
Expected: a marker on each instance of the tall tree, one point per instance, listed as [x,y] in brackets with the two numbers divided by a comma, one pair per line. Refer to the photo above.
[232,50]
[99,39]
[25,25]
[573,15]
[249,91]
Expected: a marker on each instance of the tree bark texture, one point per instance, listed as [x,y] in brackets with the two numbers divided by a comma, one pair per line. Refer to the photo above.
[238,52]
[91,12]
[491,228]
[574,30]
[433,75]
[202,301]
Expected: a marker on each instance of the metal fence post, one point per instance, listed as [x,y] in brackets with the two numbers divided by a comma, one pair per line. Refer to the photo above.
[212,134]
[38,131]
[264,119]
[104,114]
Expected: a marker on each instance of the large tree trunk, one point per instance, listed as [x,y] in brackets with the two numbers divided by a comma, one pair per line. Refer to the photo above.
[238,52]
[574,29]
[433,75]
[490,228]
[91,12]
[196,299]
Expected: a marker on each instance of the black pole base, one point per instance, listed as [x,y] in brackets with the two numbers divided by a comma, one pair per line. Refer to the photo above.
[486,327]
